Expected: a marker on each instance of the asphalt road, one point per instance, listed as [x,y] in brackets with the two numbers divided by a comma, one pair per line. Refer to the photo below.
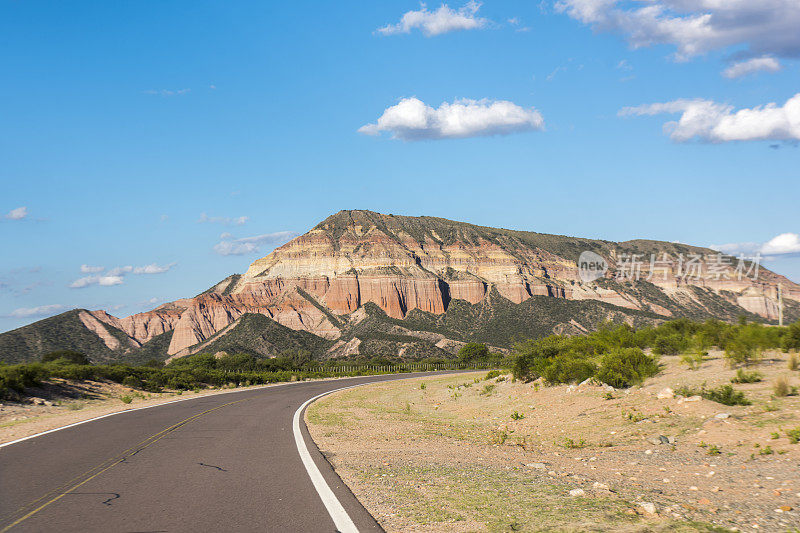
[227,462]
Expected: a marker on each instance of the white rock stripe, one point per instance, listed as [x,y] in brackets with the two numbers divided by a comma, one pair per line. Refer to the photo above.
[343,522]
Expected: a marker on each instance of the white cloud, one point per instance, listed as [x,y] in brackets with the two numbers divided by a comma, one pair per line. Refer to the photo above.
[783,244]
[106,280]
[17,214]
[713,122]
[153,268]
[751,66]
[760,27]
[116,275]
[412,120]
[32,312]
[248,245]
[225,221]
[443,20]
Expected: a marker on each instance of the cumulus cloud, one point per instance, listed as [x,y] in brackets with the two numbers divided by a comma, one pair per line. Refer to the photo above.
[104,281]
[443,20]
[17,214]
[153,268]
[752,66]
[412,119]
[755,28]
[116,275]
[783,244]
[225,221]
[36,312]
[709,121]
[247,245]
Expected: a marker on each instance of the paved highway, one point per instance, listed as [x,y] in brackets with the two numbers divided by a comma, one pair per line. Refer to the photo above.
[228,462]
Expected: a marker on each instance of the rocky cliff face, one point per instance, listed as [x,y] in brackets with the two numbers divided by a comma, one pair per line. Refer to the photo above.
[320,281]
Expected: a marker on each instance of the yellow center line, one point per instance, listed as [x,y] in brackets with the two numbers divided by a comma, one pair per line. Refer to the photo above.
[104,466]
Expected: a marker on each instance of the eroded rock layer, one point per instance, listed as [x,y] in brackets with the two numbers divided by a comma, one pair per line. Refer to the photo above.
[318,280]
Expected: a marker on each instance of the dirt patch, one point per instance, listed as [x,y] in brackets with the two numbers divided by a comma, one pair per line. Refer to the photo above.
[461,453]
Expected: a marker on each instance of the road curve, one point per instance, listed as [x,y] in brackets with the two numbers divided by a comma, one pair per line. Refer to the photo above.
[227,462]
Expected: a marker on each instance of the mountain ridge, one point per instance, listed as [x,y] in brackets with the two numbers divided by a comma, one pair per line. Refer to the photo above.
[321,283]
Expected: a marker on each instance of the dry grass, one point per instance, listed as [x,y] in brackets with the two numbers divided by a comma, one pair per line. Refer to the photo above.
[420,458]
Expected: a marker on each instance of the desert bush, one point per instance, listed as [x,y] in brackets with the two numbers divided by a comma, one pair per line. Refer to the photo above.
[487,389]
[671,344]
[694,359]
[791,338]
[781,386]
[492,374]
[746,377]
[473,352]
[17,377]
[568,369]
[794,362]
[726,395]
[625,367]
[126,399]
[132,381]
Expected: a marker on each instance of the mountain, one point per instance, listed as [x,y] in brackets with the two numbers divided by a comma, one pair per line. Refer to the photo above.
[373,284]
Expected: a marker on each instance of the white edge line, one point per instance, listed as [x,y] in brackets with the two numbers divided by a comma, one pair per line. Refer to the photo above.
[343,522]
[144,407]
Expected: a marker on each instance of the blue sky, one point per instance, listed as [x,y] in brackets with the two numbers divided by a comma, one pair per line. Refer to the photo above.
[150,137]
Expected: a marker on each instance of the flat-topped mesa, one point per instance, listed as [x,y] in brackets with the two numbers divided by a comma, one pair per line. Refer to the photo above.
[318,281]
[403,263]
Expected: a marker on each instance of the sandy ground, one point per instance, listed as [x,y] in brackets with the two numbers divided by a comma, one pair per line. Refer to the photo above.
[445,454]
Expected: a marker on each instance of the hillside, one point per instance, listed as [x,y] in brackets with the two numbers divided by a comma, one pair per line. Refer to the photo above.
[364,283]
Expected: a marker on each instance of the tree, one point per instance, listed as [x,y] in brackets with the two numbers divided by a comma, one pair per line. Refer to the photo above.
[473,352]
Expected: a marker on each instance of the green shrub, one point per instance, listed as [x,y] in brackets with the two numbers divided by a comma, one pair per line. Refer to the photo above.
[746,377]
[794,435]
[568,369]
[488,389]
[791,339]
[670,344]
[625,367]
[573,445]
[126,399]
[132,381]
[517,416]
[726,395]
[18,377]
[473,352]
[492,374]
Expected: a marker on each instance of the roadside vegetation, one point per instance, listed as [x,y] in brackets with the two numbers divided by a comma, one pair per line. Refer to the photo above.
[617,355]
[622,356]
[204,370]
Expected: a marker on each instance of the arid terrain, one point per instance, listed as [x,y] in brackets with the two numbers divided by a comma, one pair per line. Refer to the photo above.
[466,453]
